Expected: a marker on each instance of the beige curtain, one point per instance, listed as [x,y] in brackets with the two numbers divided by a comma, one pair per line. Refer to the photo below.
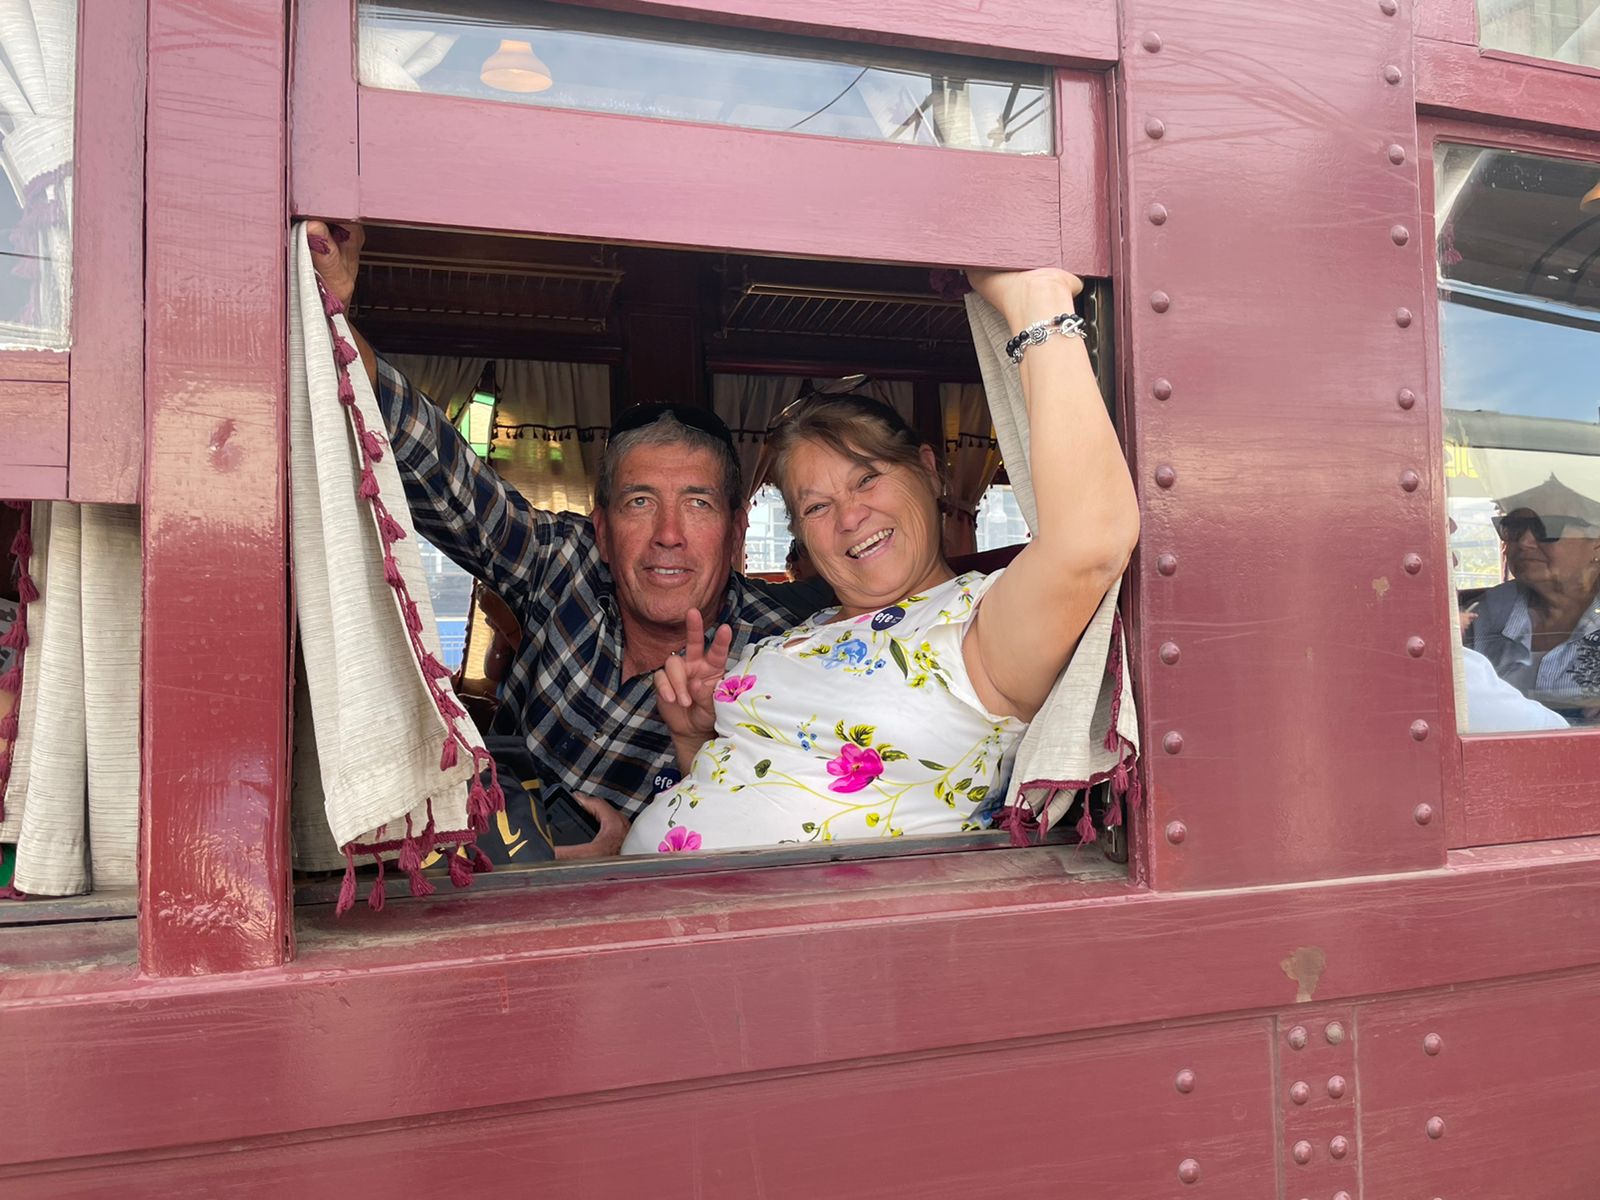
[38,77]
[748,404]
[399,58]
[72,800]
[550,432]
[445,380]
[971,457]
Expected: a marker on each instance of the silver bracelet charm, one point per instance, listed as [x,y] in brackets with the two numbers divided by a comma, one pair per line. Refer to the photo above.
[1067,324]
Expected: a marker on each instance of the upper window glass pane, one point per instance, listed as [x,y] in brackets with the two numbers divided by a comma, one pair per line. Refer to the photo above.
[1519,319]
[555,56]
[38,78]
[1564,30]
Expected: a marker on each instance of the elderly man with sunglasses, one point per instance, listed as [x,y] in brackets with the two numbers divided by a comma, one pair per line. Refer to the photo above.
[602,599]
[1541,628]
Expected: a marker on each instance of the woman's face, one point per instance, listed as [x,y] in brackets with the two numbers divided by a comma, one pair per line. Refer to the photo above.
[1564,567]
[872,531]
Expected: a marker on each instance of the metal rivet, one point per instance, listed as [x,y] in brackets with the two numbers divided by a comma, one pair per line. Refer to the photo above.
[1166,476]
[1169,653]
[1302,1152]
[1405,398]
[1334,1033]
[1298,1037]
[1167,564]
[1153,128]
[1151,42]
[1392,74]
[1189,1171]
[1415,647]
[1432,1044]
[1397,153]
[1160,301]
[1388,7]
[1173,742]
[1177,831]
[1412,563]
[1436,1128]
[1422,814]
[1157,214]
[1339,1147]
[1402,317]
[1409,480]
[1336,1087]
[1419,731]
[1185,1081]
[1161,389]
[1399,235]
[1300,1092]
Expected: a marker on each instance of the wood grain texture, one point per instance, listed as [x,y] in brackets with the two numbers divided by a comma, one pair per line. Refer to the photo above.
[1512,1085]
[1262,285]
[923,1129]
[1084,32]
[323,160]
[1084,134]
[107,393]
[34,418]
[451,1005]
[213,834]
[35,366]
[1447,20]
[1453,79]
[614,178]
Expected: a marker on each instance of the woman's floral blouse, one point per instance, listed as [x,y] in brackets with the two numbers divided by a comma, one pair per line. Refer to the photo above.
[843,728]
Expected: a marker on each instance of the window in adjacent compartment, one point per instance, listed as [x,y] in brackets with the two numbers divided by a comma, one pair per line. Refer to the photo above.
[1519,319]
[560,56]
[38,84]
[1563,30]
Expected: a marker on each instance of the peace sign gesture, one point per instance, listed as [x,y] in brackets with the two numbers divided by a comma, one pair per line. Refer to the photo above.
[686,683]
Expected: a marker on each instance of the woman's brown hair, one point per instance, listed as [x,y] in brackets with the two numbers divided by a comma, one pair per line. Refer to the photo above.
[863,429]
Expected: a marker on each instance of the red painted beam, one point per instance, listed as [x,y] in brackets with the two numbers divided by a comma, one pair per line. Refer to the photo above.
[1459,80]
[214,854]
[559,992]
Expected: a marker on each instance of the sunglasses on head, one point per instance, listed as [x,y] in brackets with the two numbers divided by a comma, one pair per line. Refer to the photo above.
[1544,529]
[704,420]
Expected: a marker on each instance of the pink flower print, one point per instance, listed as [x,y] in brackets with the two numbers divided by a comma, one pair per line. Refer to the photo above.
[855,768]
[679,838]
[734,686]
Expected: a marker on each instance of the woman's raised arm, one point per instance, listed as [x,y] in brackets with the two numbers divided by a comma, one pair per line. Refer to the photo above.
[1029,622]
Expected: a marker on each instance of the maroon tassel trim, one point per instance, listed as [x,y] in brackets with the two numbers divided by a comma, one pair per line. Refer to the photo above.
[347,391]
[343,352]
[432,668]
[480,860]
[331,304]
[448,756]
[339,232]
[26,592]
[369,485]
[8,733]
[389,529]
[11,681]
[319,245]
[12,892]
[17,637]
[375,897]
[347,888]
[22,545]
[460,870]
[420,887]
[373,445]
[391,571]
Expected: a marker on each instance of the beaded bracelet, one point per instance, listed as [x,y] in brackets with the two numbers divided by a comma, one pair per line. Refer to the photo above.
[1068,324]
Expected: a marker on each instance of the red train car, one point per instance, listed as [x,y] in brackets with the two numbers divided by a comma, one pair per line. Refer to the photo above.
[1345,259]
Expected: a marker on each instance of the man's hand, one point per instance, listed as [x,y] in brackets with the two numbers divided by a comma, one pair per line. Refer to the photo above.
[337,260]
[686,684]
[1026,296]
[605,844]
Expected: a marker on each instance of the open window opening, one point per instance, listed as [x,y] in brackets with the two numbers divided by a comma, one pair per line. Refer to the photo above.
[532,348]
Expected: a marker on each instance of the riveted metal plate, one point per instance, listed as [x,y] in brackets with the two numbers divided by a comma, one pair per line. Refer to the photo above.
[1319,1143]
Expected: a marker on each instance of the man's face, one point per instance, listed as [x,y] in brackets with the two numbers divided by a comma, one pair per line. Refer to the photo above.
[668,535]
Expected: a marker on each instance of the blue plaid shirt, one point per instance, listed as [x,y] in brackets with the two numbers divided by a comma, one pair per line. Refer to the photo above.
[594,731]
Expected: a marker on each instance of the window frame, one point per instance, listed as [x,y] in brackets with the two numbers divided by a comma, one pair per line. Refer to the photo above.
[1510,787]
[89,398]
[354,150]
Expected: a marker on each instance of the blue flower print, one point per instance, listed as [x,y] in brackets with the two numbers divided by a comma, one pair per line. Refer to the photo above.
[851,653]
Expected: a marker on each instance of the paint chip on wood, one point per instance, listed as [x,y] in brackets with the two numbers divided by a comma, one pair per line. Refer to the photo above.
[1304,965]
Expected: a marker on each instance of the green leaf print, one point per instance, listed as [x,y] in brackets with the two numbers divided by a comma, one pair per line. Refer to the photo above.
[861,735]
[890,754]
[763,767]
[809,827]
[978,794]
[873,819]
[899,657]
[963,785]
[757,730]
[931,765]
[838,732]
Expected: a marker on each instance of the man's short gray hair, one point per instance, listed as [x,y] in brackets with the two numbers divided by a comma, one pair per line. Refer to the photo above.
[669,431]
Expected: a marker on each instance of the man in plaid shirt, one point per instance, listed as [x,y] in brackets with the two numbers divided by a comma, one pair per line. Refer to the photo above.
[602,599]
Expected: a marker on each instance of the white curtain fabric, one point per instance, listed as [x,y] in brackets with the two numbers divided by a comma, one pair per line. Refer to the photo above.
[447,381]
[971,460]
[72,801]
[1087,731]
[378,729]
[38,79]
[398,58]
[747,405]
[551,430]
